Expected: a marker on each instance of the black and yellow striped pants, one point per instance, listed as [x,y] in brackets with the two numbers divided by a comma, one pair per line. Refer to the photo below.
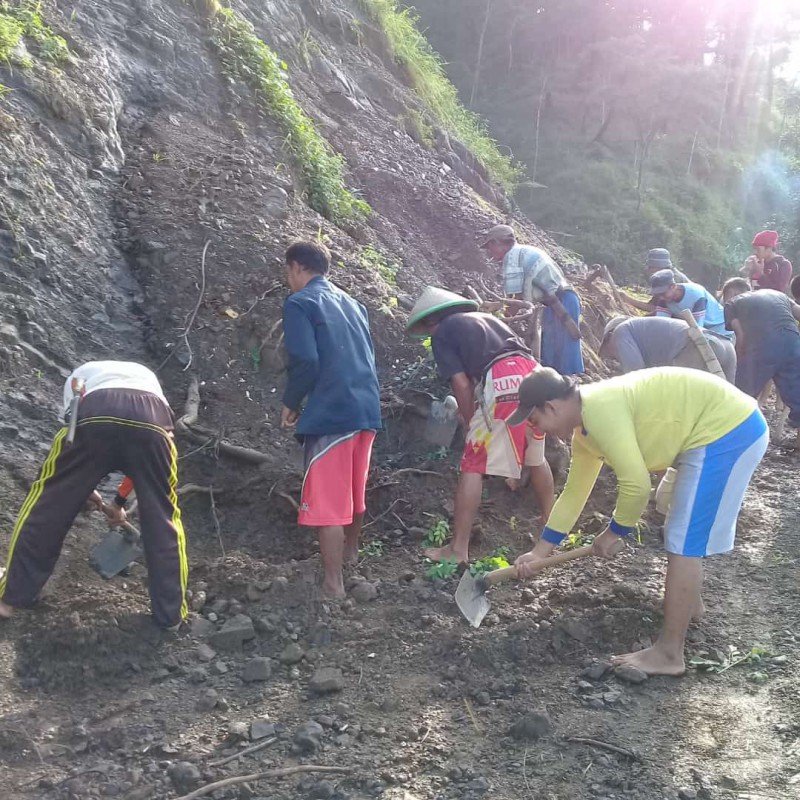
[118,430]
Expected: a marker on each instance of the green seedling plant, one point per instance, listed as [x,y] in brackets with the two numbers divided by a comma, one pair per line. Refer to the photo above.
[374,549]
[437,534]
[497,560]
[577,539]
[24,21]
[440,570]
[733,657]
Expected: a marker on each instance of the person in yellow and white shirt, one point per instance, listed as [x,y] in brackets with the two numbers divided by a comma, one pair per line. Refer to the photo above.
[646,421]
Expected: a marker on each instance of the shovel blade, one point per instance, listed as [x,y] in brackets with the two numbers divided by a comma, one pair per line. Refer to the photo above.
[114,553]
[441,425]
[471,599]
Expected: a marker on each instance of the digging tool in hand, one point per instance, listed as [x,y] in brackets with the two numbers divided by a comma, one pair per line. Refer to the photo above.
[118,548]
[471,596]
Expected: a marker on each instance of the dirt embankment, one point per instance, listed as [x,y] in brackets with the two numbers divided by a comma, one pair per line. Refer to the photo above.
[115,172]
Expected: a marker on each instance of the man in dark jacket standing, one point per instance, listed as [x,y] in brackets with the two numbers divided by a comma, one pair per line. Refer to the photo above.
[332,367]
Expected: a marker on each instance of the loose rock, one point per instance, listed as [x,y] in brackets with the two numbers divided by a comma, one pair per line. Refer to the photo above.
[291,654]
[326,680]
[597,670]
[205,653]
[201,628]
[364,592]
[307,737]
[234,633]
[257,669]
[630,674]
[184,776]
[261,729]
[533,725]
[207,700]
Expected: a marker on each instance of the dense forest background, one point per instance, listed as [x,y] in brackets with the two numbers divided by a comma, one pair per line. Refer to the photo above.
[668,123]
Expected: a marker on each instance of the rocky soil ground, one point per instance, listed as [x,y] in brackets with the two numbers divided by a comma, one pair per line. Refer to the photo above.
[115,171]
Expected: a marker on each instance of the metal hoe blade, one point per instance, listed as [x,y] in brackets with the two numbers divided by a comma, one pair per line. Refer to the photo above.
[471,598]
[114,553]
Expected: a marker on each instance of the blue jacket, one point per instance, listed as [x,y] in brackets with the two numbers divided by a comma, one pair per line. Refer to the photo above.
[331,361]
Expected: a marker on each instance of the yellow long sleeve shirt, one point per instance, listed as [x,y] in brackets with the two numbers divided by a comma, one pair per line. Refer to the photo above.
[637,424]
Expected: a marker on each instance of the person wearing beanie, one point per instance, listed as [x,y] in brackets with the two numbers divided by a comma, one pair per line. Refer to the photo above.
[711,433]
[642,342]
[658,259]
[767,342]
[672,298]
[530,273]
[766,269]
[485,362]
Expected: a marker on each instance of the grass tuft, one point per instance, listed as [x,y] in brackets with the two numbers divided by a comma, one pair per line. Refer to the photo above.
[413,51]
[24,20]
[247,58]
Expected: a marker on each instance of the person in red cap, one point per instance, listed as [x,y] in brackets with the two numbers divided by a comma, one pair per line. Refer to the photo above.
[766,269]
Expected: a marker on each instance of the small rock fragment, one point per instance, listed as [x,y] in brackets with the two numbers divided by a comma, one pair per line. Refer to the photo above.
[533,725]
[184,776]
[207,701]
[201,628]
[326,680]
[364,592]
[307,737]
[596,670]
[198,600]
[237,630]
[291,654]
[257,669]
[630,674]
[261,729]
[205,653]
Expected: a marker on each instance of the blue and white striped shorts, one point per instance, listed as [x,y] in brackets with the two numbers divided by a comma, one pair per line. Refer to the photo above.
[710,487]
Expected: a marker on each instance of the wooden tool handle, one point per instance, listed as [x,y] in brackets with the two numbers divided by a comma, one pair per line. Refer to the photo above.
[508,573]
[126,526]
[701,343]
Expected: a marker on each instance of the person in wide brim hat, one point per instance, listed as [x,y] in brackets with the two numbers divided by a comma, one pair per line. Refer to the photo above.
[432,303]
[485,362]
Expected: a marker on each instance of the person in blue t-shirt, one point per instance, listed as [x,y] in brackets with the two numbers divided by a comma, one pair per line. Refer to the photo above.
[672,298]
[331,367]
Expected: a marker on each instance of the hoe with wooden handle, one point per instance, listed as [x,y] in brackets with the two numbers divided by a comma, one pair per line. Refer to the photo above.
[471,592]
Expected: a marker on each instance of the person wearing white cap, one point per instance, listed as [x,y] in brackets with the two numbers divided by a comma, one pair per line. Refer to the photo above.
[530,273]
[485,362]
[642,342]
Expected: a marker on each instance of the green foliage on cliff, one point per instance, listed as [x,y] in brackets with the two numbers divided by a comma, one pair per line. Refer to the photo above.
[249,59]
[429,79]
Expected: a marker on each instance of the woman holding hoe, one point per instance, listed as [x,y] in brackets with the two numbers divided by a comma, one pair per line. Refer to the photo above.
[643,422]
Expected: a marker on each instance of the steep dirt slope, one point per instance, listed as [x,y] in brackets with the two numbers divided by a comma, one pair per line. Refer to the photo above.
[118,171]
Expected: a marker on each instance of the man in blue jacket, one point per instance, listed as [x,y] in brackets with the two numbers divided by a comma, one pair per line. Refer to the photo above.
[332,368]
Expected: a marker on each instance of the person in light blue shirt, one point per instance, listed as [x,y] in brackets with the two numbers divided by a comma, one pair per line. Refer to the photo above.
[672,298]
[530,274]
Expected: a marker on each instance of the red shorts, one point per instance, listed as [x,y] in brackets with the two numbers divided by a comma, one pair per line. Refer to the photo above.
[335,485]
[492,448]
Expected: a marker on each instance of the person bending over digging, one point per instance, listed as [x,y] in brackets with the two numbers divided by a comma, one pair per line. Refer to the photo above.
[485,362]
[767,341]
[710,432]
[332,367]
[124,423]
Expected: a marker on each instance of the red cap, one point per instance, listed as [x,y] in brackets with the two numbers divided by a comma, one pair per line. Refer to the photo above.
[766,239]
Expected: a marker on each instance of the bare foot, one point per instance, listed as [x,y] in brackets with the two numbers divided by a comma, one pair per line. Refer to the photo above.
[6,611]
[653,661]
[335,590]
[446,553]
